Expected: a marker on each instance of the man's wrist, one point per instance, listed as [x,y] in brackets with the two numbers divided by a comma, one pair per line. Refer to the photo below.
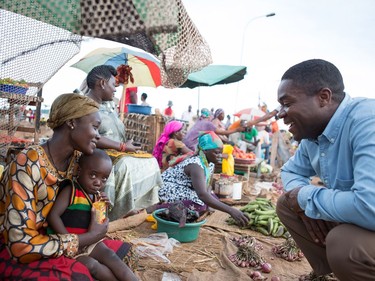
[292,198]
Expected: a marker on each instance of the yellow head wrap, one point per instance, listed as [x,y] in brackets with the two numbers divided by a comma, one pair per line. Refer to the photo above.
[70,106]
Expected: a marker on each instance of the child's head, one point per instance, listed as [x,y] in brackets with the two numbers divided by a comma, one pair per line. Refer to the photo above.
[94,171]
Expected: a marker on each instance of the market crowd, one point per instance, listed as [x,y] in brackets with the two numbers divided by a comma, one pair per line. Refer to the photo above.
[331,224]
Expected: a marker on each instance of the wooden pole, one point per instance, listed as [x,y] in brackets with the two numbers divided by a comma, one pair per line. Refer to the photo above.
[122,103]
[274,146]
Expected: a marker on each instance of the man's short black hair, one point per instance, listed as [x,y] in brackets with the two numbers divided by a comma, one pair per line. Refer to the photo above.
[315,74]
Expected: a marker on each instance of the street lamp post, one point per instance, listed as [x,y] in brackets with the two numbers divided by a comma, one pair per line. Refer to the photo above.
[243,40]
[245,28]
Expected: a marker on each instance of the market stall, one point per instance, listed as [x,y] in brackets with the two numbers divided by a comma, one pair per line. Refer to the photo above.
[14,99]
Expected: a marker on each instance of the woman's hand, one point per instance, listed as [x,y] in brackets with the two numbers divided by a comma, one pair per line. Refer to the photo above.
[130,147]
[239,217]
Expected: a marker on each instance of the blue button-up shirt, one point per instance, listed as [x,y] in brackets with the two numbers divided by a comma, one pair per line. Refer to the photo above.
[344,159]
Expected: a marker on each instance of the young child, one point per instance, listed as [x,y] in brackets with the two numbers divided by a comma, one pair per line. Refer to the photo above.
[169,149]
[71,213]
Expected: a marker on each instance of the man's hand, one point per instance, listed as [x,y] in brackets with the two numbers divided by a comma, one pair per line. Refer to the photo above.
[318,229]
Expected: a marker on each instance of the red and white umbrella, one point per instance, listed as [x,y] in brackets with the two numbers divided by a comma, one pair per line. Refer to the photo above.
[145,66]
[250,114]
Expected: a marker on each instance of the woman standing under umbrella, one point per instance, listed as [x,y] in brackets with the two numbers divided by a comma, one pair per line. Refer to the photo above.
[134,181]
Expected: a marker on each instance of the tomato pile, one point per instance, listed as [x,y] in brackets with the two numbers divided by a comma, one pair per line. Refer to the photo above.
[14,140]
[238,153]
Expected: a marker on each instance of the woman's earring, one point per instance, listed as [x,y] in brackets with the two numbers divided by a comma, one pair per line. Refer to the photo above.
[72,127]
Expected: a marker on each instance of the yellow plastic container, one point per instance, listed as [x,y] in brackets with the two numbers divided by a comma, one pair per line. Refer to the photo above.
[101,211]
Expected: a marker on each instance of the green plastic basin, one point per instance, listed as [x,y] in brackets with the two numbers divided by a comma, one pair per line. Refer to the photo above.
[188,233]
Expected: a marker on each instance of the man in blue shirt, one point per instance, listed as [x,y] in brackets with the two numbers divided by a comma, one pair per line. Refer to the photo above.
[333,225]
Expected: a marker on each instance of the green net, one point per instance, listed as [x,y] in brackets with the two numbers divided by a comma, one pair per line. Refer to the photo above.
[40,36]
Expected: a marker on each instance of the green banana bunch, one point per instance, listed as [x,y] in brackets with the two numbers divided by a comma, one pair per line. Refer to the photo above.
[263,218]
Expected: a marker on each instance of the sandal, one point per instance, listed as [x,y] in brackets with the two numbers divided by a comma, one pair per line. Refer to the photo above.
[313,277]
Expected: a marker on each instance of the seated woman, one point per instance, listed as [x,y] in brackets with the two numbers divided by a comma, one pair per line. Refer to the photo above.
[134,182]
[189,180]
[28,191]
[169,148]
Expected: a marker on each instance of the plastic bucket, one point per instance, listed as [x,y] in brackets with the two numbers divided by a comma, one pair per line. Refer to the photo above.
[140,109]
[13,89]
[237,191]
[223,189]
[188,233]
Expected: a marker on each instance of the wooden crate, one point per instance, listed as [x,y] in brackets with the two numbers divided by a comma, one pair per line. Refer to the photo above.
[144,129]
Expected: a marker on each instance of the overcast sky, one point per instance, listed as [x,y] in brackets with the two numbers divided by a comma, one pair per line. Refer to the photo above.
[340,31]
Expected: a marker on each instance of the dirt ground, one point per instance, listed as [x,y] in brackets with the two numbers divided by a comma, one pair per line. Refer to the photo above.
[206,259]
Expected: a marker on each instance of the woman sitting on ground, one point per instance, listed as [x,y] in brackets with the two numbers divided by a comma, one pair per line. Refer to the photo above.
[189,181]
[169,149]
[28,191]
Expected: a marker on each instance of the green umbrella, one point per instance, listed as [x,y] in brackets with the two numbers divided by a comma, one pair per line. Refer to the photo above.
[215,75]
[212,75]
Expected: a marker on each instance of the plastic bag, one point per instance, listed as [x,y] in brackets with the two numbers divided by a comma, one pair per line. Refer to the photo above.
[155,246]
[169,276]
[228,163]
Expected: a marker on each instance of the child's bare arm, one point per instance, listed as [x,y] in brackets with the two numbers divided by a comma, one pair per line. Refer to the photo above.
[58,208]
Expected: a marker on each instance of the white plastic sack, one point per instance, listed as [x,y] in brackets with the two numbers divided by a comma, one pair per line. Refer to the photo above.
[155,246]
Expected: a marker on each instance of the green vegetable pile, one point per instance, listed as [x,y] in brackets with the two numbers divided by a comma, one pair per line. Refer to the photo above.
[263,218]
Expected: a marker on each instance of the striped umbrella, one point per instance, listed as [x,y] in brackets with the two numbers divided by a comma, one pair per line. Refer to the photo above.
[145,66]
